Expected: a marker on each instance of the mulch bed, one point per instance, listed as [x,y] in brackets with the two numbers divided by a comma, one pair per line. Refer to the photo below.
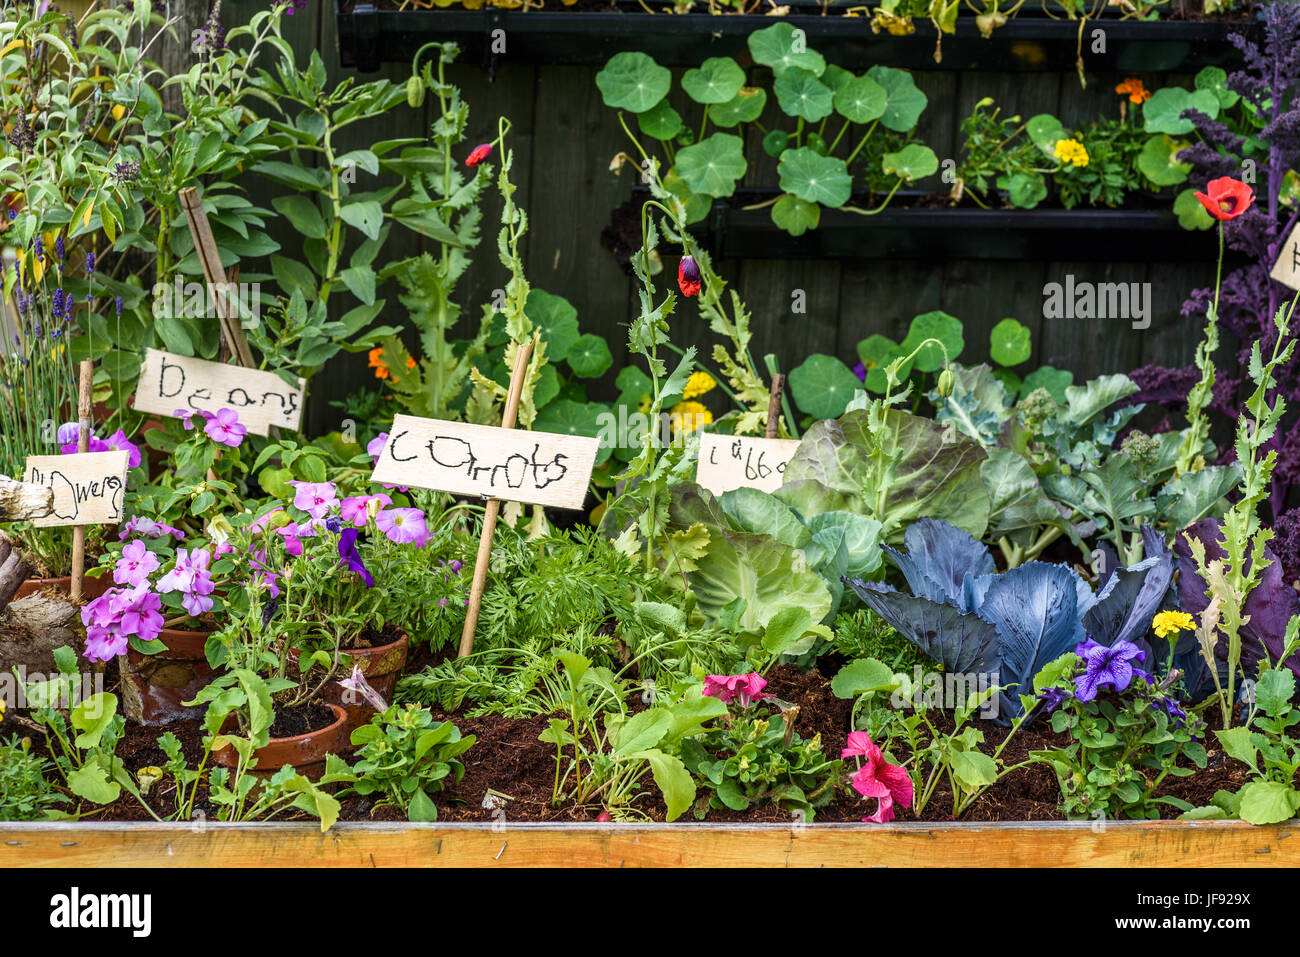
[508,759]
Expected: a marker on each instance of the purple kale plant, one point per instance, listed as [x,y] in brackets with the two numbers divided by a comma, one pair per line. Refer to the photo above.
[1270,87]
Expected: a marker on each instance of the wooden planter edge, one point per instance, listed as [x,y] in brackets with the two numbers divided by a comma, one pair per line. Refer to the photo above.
[1027,844]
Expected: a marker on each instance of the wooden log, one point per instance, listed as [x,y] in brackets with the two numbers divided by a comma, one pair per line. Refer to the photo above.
[33,627]
[1029,844]
[22,502]
[14,570]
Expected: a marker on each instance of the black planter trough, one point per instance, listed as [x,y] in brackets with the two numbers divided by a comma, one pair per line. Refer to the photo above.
[369,36]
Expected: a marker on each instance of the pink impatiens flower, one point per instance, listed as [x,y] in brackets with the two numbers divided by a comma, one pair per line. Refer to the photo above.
[405,526]
[355,511]
[886,782]
[136,565]
[224,427]
[317,499]
[191,576]
[743,689]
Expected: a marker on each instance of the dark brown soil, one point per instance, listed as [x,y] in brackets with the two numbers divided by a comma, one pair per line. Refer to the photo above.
[291,722]
[374,639]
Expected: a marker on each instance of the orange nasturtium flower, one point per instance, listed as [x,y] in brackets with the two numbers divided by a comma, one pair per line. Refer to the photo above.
[1136,90]
[377,362]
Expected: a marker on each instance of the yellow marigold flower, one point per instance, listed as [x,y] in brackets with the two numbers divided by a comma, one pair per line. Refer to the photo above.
[1071,152]
[1136,90]
[1168,623]
[698,384]
[689,416]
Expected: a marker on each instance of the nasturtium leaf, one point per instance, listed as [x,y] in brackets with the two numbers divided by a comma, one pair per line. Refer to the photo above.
[836,77]
[799,93]
[775,142]
[796,216]
[934,325]
[1215,80]
[1191,214]
[1163,113]
[590,356]
[813,178]
[860,676]
[1026,190]
[914,161]
[876,352]
[633,81]
[1044,130]
[1158,160]
[713,165]
[716,80]
[822,386]
[861,100]
[574,418]
[1054,380]
[745,107]
[1268,802]
[1009,343]
[905,102]
[781,47]
[660,121]
[557,320]
[697,204]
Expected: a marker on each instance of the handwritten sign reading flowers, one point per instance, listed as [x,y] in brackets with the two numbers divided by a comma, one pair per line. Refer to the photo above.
[171,383]
[538,468]
[88,487]
[733,461]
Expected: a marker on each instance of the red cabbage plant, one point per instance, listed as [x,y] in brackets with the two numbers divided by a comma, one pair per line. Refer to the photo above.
[1249,299]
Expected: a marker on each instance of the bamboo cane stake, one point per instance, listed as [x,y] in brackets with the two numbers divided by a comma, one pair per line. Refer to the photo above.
[493,507]
[85,380]
[210,258]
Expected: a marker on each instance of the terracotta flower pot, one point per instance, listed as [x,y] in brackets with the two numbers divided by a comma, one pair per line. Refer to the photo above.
[305,752]
[381,666]
[91,588]
[153,686]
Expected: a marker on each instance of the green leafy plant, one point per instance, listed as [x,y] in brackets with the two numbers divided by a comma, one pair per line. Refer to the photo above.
[404,755]
[25,793]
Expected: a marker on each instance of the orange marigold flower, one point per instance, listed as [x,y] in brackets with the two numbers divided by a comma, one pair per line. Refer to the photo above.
[377,362]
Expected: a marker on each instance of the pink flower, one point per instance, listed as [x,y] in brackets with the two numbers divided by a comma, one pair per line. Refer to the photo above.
[376,446]
[358,688]
[118,442]
[271,518]
[191,576]
[187,416]
[135,566]
[95,445]
[743,689]
[224,427]
[118,615]
[317,499]
[292,543]
[355,511]
[886,782]
[147,527]
[405,526]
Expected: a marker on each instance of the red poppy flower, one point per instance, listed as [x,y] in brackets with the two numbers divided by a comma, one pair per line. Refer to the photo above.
[1226,198]
[479,154]
[688,276]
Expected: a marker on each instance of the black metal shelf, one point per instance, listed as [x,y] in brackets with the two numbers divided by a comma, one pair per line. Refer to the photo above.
[369,37]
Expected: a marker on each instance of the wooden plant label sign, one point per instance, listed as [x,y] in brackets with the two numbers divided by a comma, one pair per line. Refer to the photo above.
[733,461]
[169,382]
[88,486]
[1287,268]
[538,468]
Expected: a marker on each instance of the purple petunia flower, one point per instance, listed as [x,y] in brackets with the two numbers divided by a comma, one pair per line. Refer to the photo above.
[1105,667]
[1053,698]
[376,445]
[94,445]
[351,557]
[118,442]
[356,510]
[224,428]
[405,526]
[317,499]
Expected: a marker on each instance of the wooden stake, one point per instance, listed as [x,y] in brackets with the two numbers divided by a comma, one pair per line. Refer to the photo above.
[85,380]
[232,332]
[493,508]
[774,404]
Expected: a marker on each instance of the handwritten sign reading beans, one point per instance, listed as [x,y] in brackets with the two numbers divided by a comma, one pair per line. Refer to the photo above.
[731,461]
[88,487]
[169,382]
[539,468]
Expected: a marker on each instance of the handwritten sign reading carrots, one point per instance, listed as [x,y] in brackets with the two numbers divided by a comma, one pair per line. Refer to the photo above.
[169,382]
[538,468]
[733,461]
[88,487]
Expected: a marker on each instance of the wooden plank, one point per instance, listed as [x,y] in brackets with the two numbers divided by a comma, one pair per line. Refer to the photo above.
[882,298]
[1092,347]
[794,305]
[88,487]
[170,382]
[1173,337]
[541,468]
[981,295]
[1034,844]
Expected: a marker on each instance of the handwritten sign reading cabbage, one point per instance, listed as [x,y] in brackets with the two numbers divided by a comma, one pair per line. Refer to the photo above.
[1287,268]
[539,468]
[169,382]
[730,461]
[88,487]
